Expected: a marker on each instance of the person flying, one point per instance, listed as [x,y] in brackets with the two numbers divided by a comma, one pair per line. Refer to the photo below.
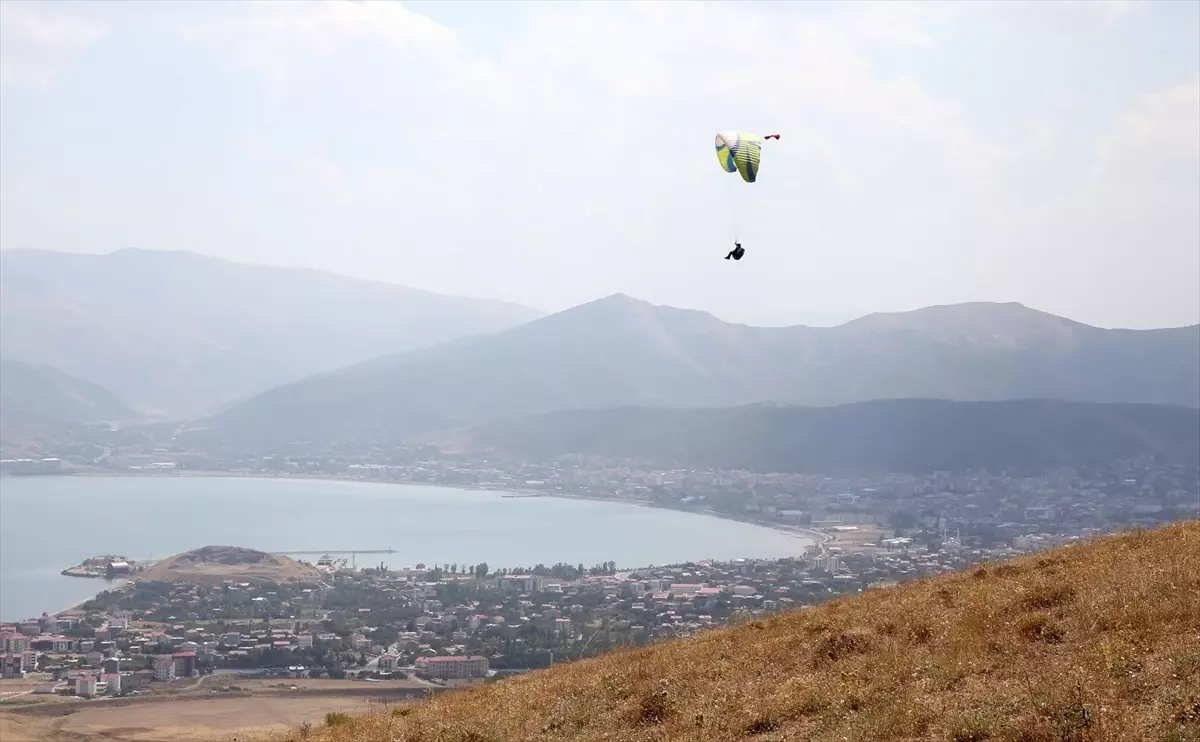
[741,153]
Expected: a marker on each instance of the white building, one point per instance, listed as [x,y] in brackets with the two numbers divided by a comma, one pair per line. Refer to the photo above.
[387,663]
[85,686]
[31,466]
[450,668]
[113,679]
[164,669]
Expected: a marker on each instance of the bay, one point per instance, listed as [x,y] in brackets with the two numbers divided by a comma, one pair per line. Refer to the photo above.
[50,523]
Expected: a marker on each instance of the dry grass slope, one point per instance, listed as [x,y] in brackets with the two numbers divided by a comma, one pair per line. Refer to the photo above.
[215,564]
[1098,642]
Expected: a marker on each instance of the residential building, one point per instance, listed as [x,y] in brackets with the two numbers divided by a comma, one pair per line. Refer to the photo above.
[14,642]
[85,686]
[387,662]
[12,665]
[451,668]
[185,664]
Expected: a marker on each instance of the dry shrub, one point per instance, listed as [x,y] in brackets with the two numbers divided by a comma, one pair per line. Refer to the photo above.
[762,725]
[1047,596]
[336,718]
[919,633]
[655,707]
[1041,628]
[842,644]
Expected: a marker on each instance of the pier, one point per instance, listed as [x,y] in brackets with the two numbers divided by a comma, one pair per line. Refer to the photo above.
[322,552]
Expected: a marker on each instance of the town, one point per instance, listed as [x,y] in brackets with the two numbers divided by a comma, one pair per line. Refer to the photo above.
[439,623]
[454,622]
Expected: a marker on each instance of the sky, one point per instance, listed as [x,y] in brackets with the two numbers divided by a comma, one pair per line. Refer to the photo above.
[554,153]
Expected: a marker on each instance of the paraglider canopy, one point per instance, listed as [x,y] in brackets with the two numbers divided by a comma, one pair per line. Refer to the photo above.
[741,153]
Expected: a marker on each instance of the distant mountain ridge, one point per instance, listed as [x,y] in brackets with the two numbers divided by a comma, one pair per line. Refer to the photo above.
[621,351]
[183,334]
[915,436]
[38,396]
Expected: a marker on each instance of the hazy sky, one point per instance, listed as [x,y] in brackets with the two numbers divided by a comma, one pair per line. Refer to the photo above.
[552,153]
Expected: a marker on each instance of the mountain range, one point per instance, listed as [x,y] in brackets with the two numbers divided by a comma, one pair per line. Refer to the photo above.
[181,335]
[915,436]
[35,396]
[619,351]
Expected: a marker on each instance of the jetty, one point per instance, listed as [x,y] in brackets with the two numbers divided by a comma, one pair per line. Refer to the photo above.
[107,566]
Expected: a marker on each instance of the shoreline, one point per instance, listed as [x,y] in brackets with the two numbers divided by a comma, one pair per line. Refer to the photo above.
[819,539]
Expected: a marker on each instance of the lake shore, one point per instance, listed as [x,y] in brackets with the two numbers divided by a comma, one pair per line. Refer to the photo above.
[820,538]
[809,537]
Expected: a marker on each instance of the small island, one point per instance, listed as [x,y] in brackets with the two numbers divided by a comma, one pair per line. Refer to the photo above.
[108,567]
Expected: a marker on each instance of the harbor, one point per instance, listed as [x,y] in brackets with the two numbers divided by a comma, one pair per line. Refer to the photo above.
[107,567]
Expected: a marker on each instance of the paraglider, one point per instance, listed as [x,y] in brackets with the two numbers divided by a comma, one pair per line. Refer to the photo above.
[741,153]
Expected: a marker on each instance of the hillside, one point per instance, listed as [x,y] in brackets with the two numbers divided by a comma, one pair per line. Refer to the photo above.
[215,564]
[914,436]
[38,396]
[1096,643]
[183,334]
[620,351]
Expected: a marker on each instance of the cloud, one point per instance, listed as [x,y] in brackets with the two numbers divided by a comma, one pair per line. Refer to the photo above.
[37,41]
[560,151]
[282,38]
[1156,144]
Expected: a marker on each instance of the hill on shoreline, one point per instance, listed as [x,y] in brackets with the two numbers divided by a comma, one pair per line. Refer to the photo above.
[216,564]
[1096,642]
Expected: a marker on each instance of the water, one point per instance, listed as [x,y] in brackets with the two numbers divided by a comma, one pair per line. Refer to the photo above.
[50,523]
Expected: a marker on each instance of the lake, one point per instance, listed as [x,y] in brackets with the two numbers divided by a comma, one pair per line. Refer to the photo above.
[50,523]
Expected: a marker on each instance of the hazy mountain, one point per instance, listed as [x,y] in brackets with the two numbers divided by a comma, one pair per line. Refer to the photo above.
[620,351]
[910,435]
[183,334]
[36,396]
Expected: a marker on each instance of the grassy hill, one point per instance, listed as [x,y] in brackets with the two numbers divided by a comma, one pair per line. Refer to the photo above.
[215,564]
[183,334]
[620,351]
[1093,643]
[911,435]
